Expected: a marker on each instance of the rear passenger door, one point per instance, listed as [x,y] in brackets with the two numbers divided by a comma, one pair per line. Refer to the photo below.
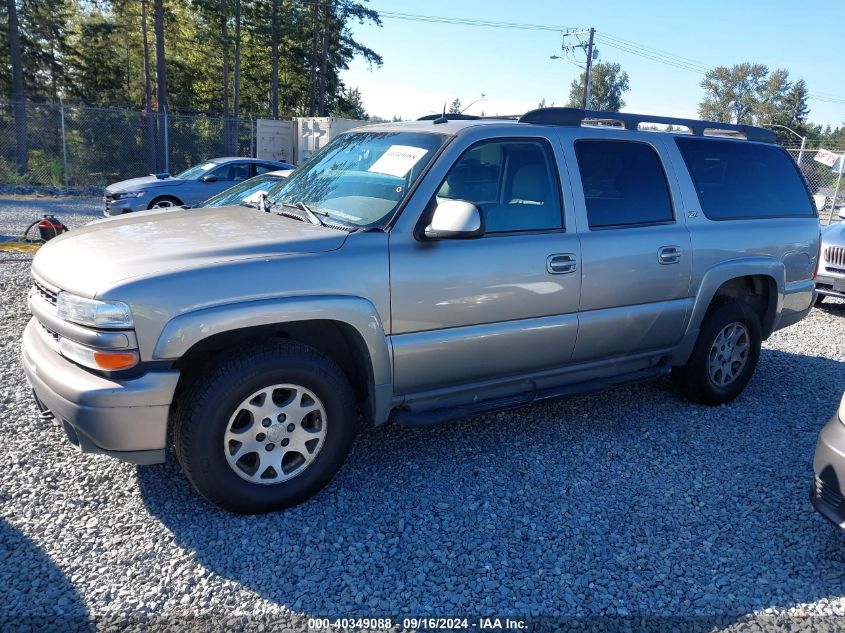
[636,255]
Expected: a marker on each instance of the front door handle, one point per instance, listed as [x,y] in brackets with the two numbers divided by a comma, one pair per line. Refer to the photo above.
[561,263]
[669,254]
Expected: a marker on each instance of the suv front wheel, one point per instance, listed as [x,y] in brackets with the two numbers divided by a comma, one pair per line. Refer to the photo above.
[265,428]
[724,357]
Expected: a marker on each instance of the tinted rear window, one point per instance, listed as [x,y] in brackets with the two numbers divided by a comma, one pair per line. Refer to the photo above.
[624,184]
[740,180]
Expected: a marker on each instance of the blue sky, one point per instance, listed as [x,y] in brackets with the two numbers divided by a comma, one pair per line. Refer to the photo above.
[426,64]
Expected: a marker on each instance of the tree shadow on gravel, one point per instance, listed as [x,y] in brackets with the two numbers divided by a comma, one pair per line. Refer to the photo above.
[631,501]
[34,593]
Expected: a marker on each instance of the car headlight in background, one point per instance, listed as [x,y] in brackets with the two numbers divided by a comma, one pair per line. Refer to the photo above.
[105,314]
[97,359]
[130,194]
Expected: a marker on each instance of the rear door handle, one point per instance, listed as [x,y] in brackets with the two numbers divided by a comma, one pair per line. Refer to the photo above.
[669,254]
[561,263]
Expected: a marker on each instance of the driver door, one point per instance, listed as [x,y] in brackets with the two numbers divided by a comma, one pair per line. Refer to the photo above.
[502,305]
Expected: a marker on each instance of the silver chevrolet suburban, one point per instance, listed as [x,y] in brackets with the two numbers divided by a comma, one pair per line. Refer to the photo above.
[420,272]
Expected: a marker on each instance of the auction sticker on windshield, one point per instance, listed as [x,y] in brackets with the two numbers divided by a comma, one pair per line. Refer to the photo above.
[398,160]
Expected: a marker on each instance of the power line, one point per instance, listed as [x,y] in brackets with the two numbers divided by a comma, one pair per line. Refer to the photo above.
[686,64]
[414,17]
[613,41]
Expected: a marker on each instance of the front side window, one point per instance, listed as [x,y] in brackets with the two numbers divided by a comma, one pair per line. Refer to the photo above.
[232,172]
[512,182]
[360,178]
[624,184]
[740,180]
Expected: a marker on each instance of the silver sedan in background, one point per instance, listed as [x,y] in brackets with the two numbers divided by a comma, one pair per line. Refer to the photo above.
[189,188]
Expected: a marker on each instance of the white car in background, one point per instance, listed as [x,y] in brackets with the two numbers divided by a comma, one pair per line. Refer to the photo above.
[830,280]
[249,191]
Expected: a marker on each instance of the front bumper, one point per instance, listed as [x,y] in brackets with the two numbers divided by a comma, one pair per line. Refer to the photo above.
[112,206]
[830,286]
[828,494]
[126,419]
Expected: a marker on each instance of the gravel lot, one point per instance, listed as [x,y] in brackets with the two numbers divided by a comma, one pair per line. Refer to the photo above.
[627,502]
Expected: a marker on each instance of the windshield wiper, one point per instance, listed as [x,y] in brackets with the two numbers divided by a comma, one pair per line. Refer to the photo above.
[303,213]
[312,215]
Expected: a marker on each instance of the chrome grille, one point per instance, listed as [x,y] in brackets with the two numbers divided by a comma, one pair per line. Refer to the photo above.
[45,293]
[835,255]
[830,496]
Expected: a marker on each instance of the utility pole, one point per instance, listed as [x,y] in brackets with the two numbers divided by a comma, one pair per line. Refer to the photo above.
[589,50]
[588,78]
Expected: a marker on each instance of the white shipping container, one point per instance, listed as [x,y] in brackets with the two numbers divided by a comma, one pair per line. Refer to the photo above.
[314,133]
[275,140]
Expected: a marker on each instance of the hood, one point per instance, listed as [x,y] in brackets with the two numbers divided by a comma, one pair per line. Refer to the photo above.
[95,257]
[144,182]
[834,234]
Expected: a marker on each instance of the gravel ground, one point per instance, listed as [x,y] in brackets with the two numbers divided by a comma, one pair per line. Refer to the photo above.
[17,212]
[633,501]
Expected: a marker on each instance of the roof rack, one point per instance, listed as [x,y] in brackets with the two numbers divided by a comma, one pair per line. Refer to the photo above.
[576,117]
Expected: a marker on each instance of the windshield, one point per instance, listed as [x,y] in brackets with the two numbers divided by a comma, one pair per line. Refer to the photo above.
[192,173]
[360,177]
[246,192]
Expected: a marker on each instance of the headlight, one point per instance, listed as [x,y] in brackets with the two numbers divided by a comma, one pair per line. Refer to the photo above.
[105,314]
[130,194]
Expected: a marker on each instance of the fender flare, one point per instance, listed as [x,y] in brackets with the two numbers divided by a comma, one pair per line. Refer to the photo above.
[186,330]
[714,278]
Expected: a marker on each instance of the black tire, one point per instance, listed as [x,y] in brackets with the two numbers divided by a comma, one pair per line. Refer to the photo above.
[693,380]
[174,202]
[819,300]
[203,415]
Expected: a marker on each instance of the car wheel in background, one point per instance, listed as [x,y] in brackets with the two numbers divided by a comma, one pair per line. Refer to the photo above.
[165,202]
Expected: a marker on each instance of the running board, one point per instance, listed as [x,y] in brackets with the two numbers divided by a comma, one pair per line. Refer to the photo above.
[430,417]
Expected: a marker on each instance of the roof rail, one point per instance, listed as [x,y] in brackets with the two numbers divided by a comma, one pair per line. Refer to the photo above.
[576,117]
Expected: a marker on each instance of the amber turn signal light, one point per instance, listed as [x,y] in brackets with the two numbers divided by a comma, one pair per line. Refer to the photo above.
[111,361]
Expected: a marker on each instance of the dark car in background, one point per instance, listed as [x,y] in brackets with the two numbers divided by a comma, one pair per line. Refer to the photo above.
[248,192]
[189,188]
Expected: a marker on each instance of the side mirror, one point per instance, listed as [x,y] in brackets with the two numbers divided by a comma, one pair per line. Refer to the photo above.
[455,219]
[209,178]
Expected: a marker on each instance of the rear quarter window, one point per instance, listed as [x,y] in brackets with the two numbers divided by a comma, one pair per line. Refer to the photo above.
[737,180]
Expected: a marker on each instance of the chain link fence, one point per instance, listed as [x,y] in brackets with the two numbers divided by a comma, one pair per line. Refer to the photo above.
[820,178]
[79,147]
[64,146]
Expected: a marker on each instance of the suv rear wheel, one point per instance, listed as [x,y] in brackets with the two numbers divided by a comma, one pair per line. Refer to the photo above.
[724,357]
[266,428]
